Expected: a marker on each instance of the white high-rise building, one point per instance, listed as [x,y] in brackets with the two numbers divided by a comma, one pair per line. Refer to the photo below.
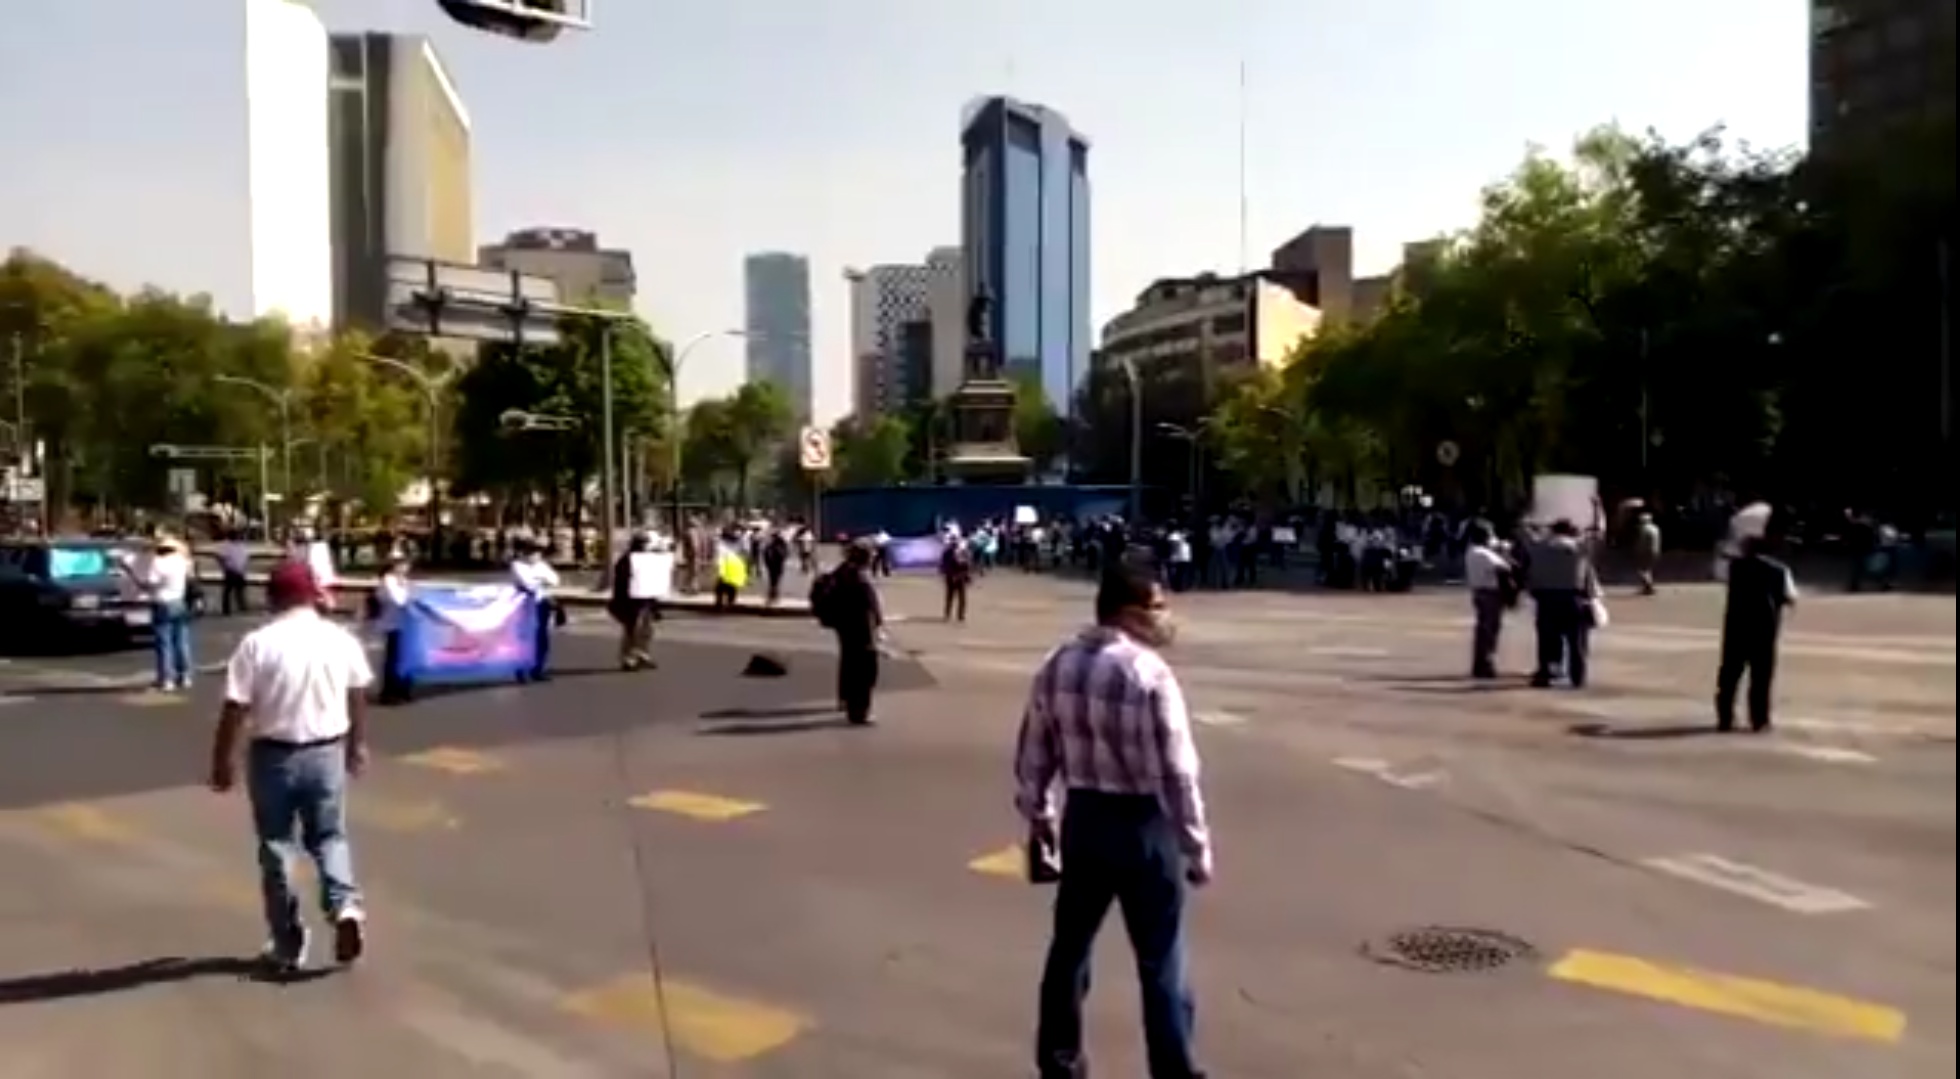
[891,337]
[288,164]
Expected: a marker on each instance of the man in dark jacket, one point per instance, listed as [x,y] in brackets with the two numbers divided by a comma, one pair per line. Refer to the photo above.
[1563,588]
[1761,588]
[847,604]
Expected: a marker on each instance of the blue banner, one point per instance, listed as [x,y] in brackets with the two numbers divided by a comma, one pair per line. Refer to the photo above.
[455,636]
[916,552]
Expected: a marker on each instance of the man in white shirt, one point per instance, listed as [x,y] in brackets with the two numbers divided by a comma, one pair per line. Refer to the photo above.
[165,578]
[535,577]
[294,694]
[233,560]
[390,598]
[1487,574]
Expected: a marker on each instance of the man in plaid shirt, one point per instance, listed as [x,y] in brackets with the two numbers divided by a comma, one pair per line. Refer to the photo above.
[1106,721]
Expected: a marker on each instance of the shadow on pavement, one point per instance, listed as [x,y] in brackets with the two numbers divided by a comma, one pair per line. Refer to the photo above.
[84,747]
[1640,734]
[68,984]
[752,727]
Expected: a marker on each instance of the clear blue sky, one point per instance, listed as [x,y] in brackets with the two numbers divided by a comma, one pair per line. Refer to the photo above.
[692,133]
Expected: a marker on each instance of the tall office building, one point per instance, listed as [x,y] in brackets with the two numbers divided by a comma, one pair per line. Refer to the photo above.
[1025,231]
[291,232]
[572,259]
[1876,63]
[946,300]
[776,317]
[888,307]
[400,140]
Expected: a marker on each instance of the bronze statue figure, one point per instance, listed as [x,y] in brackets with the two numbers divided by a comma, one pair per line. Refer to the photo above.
[979,324]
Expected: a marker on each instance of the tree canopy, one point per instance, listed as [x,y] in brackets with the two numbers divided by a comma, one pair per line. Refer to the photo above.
[1675,319]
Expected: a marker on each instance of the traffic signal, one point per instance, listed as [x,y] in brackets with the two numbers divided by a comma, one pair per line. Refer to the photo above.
[538,21]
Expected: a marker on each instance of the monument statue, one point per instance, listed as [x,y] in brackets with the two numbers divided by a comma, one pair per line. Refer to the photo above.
[979,327]
[982,358]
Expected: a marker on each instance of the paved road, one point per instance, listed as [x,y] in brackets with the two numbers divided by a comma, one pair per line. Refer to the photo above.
[820,899]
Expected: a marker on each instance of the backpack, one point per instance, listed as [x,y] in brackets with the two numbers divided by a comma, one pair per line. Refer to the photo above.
[821,591]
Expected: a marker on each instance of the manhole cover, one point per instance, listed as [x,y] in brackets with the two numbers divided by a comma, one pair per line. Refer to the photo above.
[1445,950]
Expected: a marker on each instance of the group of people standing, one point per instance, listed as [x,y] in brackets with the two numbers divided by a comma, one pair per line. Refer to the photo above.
[1556,569]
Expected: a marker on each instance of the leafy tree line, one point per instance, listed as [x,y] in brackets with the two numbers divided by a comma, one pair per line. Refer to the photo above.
[1679,320]
[100,378]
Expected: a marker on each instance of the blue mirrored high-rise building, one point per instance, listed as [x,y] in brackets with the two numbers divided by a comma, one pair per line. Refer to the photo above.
[1025,229]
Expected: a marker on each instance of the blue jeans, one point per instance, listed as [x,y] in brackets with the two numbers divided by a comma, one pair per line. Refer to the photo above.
[170,631]
[1121,849]
[307,784]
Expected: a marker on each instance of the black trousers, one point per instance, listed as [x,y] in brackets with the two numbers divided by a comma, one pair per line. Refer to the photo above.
[955,600]
[394,690]
[1564,638]
[1752,654]
[857,678]
[232,593]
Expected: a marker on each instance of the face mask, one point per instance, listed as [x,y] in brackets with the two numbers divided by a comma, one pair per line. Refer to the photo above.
[1154,628]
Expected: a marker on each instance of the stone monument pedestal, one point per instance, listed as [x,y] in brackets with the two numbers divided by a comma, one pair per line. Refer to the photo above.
[983,450]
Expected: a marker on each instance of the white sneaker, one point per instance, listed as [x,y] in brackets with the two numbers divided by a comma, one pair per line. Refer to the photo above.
[349,934]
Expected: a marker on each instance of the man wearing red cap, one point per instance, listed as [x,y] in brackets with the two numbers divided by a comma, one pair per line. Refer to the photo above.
[295,695]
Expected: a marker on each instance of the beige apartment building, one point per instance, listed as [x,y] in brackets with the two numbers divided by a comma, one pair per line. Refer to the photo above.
[1250,319]
[585,272]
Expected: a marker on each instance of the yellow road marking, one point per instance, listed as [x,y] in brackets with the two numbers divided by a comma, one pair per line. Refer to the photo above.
[153,699]
[88,823]
[1009,861]
[455,760]
[702,1022]
[409,817]
[696,806]
[1743,998]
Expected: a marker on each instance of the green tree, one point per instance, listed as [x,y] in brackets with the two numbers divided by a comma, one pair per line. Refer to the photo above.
[871,453]
[1038,430]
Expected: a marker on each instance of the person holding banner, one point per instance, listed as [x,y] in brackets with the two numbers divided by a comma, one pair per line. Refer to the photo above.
[389,598]
[535,577]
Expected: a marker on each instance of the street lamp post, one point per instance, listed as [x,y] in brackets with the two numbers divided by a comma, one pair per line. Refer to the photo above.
[431,387]
[1136,439]
[676,360]
[1191,437]
[284,400]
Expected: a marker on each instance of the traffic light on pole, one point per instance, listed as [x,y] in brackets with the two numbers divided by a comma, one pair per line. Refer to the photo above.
[537,21]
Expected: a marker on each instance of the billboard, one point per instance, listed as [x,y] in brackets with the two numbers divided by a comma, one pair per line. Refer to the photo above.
[288,167]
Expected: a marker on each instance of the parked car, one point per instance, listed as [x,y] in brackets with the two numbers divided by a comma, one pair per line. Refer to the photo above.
[69,588]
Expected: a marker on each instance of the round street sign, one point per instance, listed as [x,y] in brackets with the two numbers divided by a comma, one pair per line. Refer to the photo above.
[1448,453]
[814,449]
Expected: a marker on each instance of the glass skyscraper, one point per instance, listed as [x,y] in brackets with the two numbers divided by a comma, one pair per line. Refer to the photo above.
[1025,230]
[776,318]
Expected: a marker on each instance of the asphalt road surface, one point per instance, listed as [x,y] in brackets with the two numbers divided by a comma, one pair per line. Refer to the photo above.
[829,903]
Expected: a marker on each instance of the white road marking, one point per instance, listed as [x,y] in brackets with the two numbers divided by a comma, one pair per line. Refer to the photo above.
[1758,884]
[1382,770]
[1824,754]
[1349,652]
[6,702]
[1219,719]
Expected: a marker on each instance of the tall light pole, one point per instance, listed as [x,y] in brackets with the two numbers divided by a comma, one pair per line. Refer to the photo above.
[1136,439]
[431,387]
[676,361]
[1190,436]
[283,398]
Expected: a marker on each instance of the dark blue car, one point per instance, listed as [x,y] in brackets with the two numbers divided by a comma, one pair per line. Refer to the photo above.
[71,589]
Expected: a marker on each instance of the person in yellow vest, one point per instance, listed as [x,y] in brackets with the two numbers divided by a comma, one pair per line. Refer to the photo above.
[731,571]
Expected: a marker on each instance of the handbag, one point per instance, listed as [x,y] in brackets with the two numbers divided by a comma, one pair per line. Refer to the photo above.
[1597,616]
